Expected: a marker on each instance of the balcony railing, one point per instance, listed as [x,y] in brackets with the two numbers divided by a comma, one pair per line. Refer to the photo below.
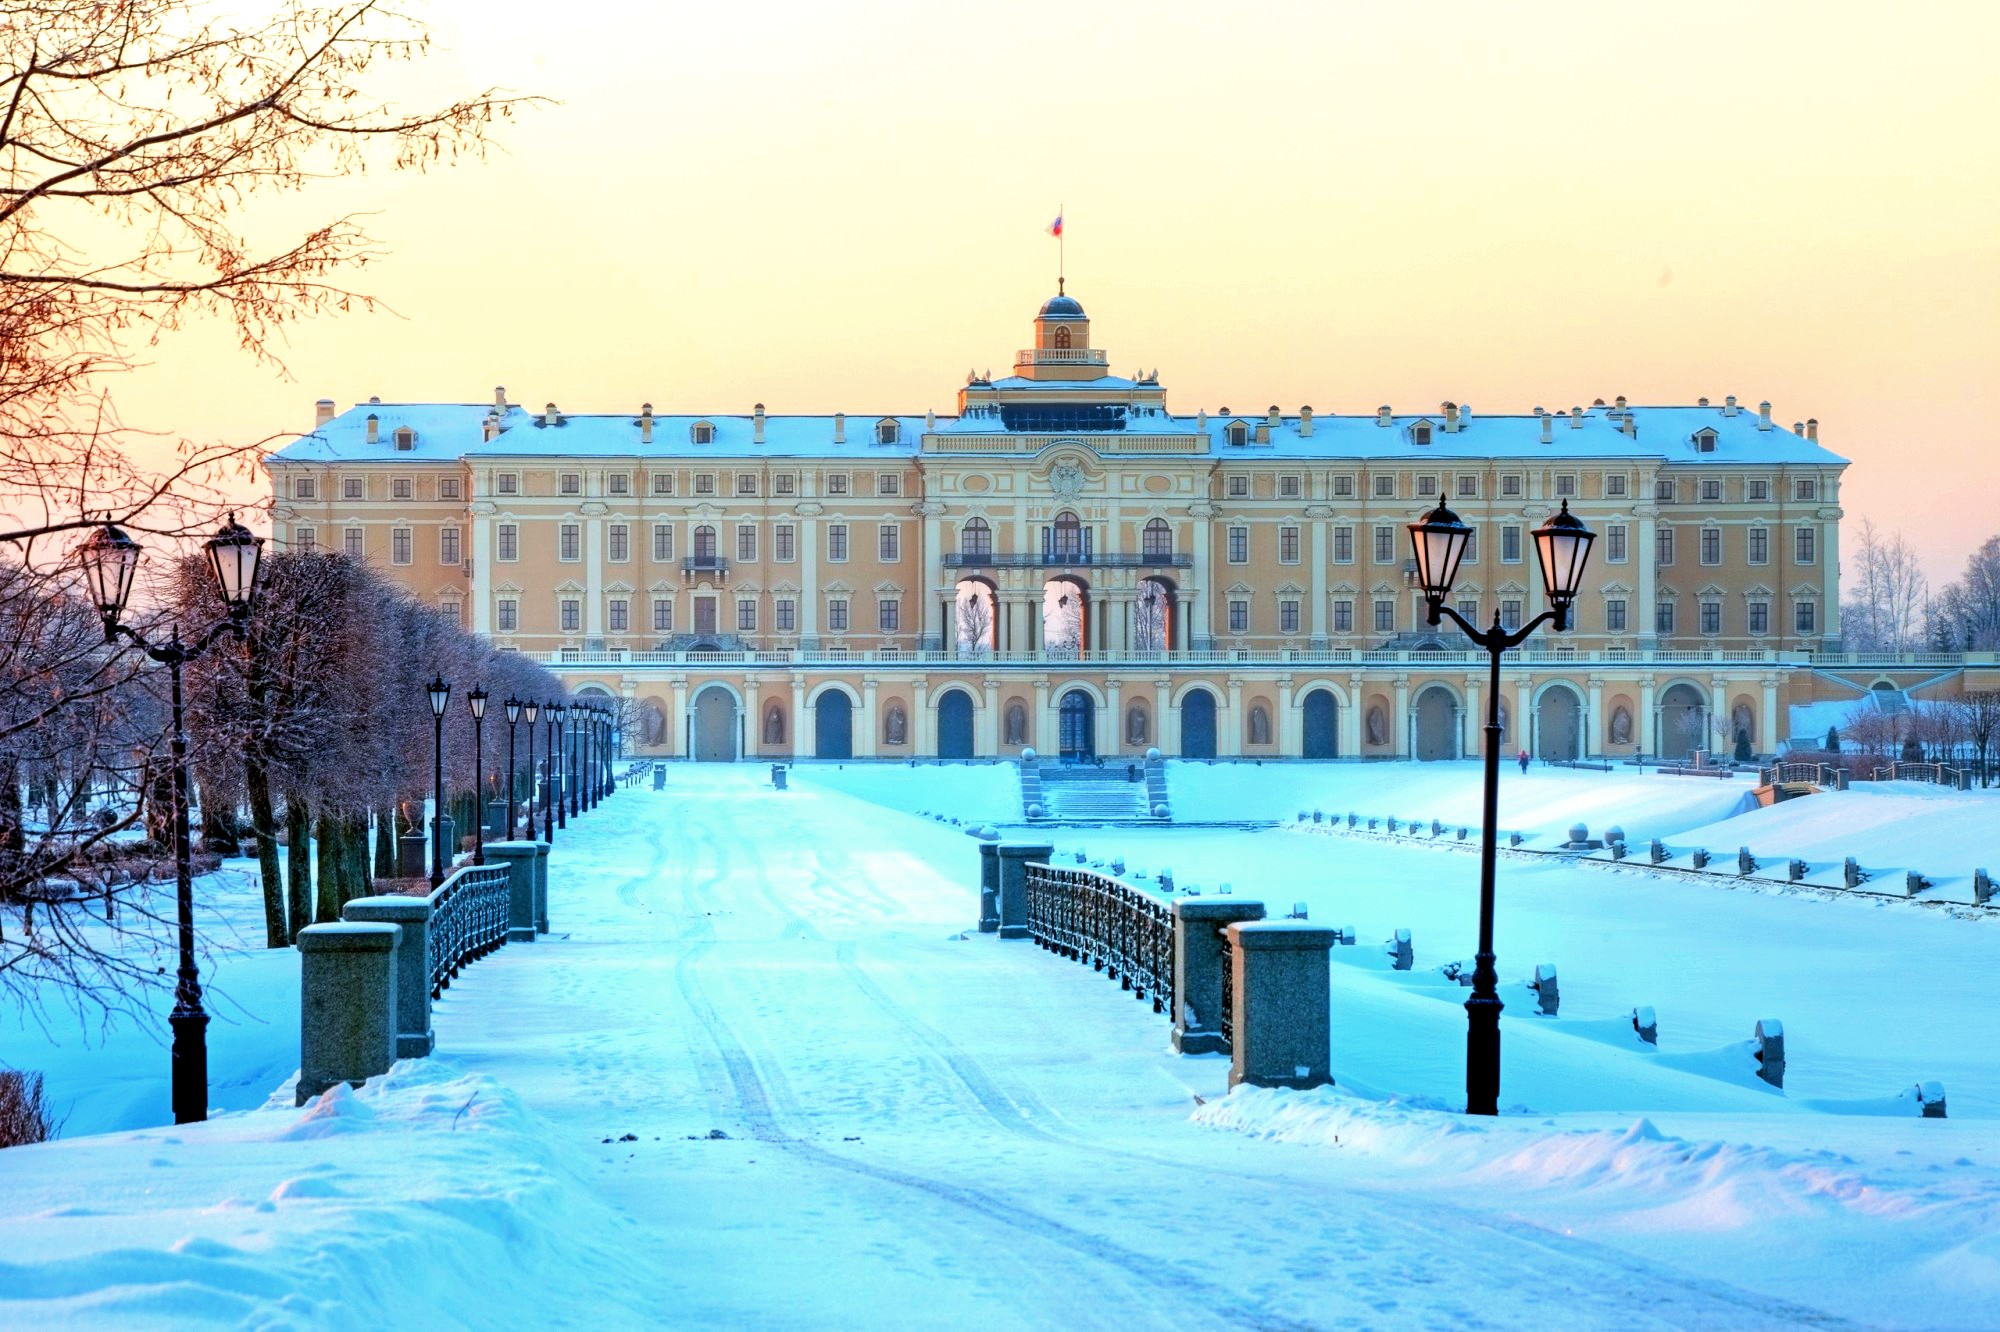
[695,564]
[1067,559]
[1297,655]
[1059,356]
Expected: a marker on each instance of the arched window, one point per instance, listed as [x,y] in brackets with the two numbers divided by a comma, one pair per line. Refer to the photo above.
[887,432]
[1062,338]
[976,540]
[1158,540]
[704,545]
[1260,725]
[1066,537]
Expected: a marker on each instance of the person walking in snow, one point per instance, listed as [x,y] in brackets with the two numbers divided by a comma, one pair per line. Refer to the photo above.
[1522,759]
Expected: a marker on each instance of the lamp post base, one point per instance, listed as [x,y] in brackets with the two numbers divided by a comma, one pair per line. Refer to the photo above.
[1482,1053]
[190,1065]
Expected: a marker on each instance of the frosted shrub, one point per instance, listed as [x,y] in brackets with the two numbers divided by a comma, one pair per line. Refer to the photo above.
[24,1115]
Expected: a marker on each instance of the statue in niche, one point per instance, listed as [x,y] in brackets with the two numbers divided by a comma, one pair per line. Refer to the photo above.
[1740,720]
[895,725]
[1260,725]
[1621,725]
[653,724]
[1378,726]
[1135,725]
[1504,728]
[774,725]
[1017,724]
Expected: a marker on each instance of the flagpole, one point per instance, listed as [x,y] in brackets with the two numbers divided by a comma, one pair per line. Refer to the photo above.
[1062,240]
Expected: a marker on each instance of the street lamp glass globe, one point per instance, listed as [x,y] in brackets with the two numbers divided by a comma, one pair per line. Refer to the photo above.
[440,693]
[476,700]
[233,555]
[1438,542]
[513,709]
[1563,545]
[109,559]
[531,711]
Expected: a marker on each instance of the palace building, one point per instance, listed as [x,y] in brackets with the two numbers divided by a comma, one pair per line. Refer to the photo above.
[1068,564]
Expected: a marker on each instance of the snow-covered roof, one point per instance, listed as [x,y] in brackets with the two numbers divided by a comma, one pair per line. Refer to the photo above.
[453,431]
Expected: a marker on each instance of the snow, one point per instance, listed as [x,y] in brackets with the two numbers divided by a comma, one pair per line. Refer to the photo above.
[763,1073]
[1809,722]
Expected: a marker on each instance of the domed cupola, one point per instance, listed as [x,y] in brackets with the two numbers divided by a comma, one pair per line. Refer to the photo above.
[1062,307]
[1062,343]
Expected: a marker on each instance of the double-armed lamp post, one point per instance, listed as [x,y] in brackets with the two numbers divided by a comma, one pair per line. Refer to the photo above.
[109,560]
[1563,546]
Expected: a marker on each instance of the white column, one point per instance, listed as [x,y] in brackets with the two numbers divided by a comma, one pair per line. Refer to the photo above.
[1767,720]
[798,718]
[1829,556]
[809,555]
[1524,694]
[1648,721]
[593,576]
[1718,711]
[1316,625]
[865,742]
[1042,729]
[1166,730]
[1290,729]
[930,560]
[1198,620]
[1402,724]
[923,728]
[989,720]
[1593,721]
[1232,736]
[1350,718]
[1642,554]
[753,722]
[679,730]
[1473,738]
[1111,725]
[481,595]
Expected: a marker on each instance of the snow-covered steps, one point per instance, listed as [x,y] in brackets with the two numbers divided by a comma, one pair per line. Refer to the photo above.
[1092,794]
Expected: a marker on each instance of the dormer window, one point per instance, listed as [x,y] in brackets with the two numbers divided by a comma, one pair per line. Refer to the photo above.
[1238,434]
[702,432]
[1062,338]
[888,431]
[1420,433]
[406,439]
[1704,441]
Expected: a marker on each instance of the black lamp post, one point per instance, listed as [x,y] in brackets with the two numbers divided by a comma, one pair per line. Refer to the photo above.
[476,700]
[575,747]
[440,693]
[110,559]
[551,805]
[530,711]
[1562,545]
[513,706]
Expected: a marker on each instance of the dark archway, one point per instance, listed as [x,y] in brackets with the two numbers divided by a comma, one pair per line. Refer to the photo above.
[1322,725]
[1434,725]
[954,722]
[1078,736]
[1198,724]
[1683,722]
[715,726]
[833,726]
[1559,724]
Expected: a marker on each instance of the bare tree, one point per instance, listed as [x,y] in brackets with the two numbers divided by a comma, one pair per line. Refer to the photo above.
[975,618]
[1889,594]
[1965,616]
[134,134]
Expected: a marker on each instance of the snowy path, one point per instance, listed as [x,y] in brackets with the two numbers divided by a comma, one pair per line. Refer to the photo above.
[928,1129]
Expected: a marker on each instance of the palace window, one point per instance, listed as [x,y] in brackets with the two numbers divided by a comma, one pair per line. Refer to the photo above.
[448,487]
[1239,545]
[1427,485]
[1614,543]
[704,484]
[746,615]
[1510,486]
[1711,490]
[1343,616]
[1663,490]
[1239,487]
[1804,620]
[746,483]
[1343,487]
[702,433]
[836,542]
[888,614]
[304,487]
[1343,545]
[571,484]
[448,545]
[1238,434]
[304,538]
[1711,545]
[1288,545]
[1663,541]
[785,484]
[618,483]
[1471,555]
[1805,488]
[1510,545]
[617,615]
[784,540]
[507,542]
[887,432]
[1288,487]
[1566,486]
[663,542]
[1288,616]
[663,616]
[507,483]
[663,483]
[572,615]
[888,483]
[1468,487]
[1469,608]
[1239,616]
[1614,487]
[1614,615]
[507,615]
[787,615]
[746,543]
[1510,613]
[1385,545]
[975,539]
[1760,491]
[399,545]
[1760,545]
[1385,487]
[836,615]
[618,543]
[1760,617]
[350,488]
[1711,617]
[1156,541]
[1663,618]
[1420,433]
[571,543]
[888,543]
[402,488]
[1385,616]
[704,547]
[1806,546]
[836,483]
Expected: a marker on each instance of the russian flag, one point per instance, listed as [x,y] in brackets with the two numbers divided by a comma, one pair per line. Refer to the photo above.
[1055,227]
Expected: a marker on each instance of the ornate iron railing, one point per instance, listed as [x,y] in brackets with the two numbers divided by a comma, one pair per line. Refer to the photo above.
[1118,929]
[1228,1023]
[468,920]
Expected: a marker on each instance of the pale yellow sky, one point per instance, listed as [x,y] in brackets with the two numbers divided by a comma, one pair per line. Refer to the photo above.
[839,206]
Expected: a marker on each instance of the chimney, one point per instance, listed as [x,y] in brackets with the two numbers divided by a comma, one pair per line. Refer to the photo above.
[1628,425]
[1464,415]
[1450,410]
[1621,402]
[1201,419]
[1263,432]
[1306,422]
[500,400]
[1763,416]
[1272,419]
[757,424]
[550,415]
[374,428]
[1576,418]
[322,412]
[1382,416]
[374,401]
[489,429]
[840,427]
[646,423]
[1598,402]
[1548,426]
[1812,429]
[1729,405]
[1701,402]
[1799,429]
[930,420]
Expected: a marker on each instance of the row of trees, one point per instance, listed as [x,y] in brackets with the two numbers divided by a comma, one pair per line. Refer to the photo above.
[1965,615]
[1962,732]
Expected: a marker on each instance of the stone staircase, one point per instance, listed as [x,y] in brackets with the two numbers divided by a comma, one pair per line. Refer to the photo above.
[1091,794]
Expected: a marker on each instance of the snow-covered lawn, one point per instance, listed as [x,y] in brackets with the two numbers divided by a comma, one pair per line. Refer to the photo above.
[761,1075]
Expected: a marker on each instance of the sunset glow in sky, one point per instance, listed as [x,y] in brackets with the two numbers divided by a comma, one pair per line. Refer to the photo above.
[840,206]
